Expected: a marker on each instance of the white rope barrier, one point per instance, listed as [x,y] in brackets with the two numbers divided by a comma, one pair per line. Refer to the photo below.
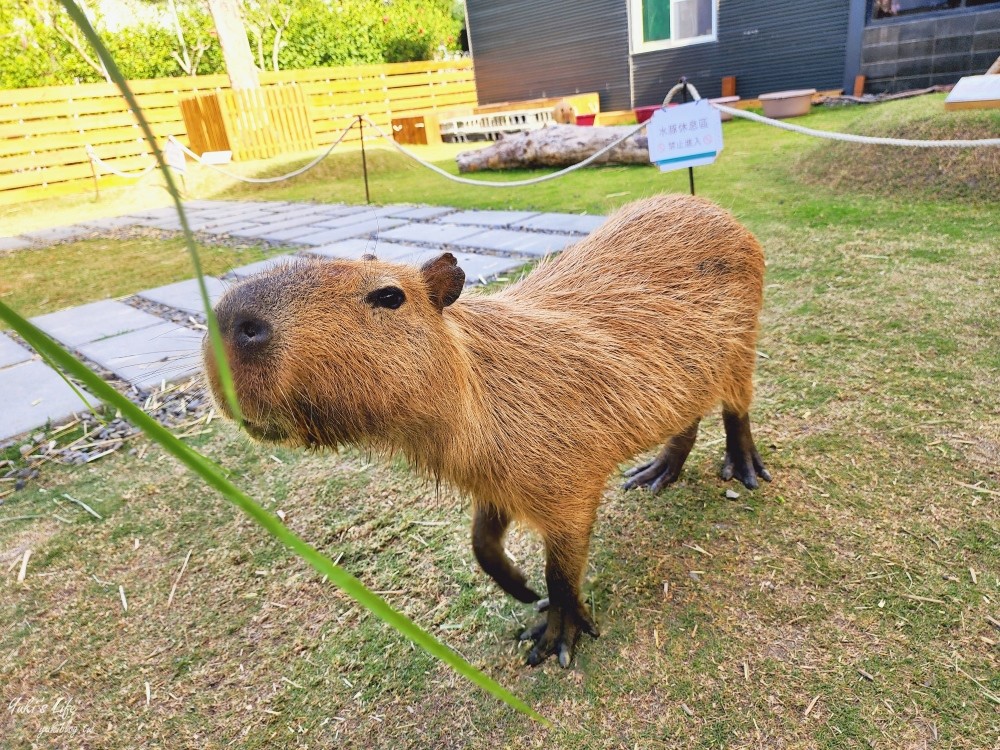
[117,172]
[265,180]
[851,138]
[514,183]
[754,117]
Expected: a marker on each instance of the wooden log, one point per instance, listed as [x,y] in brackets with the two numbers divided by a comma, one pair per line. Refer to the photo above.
[556,146]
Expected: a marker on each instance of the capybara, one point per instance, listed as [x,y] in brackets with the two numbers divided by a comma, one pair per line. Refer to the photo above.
[526,398]
[564,113]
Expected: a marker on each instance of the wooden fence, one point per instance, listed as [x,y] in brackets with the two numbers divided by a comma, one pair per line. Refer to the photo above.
[44,131]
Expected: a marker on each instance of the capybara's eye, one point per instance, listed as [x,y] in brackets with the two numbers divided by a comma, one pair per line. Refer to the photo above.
[388,296]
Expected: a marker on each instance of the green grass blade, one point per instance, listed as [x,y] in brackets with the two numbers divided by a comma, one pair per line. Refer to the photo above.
[213,475]
[210,472]
[222,362]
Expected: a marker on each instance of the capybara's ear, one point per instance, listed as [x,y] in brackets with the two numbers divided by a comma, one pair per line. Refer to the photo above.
[444,280]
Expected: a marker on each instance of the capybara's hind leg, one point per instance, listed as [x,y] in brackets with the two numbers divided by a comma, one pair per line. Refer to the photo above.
[742,460]
[488,527]
[567,617]
[666,467]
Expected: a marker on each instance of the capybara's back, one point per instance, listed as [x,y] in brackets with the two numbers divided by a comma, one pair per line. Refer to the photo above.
[527,398]
[622,341]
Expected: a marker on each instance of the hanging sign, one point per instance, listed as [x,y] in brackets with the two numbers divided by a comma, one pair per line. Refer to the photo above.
[688,135]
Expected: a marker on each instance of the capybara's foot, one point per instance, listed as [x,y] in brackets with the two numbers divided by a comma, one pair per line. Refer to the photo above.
[745,467]
[558,634]
[742,461]
[666,467]
[655,475]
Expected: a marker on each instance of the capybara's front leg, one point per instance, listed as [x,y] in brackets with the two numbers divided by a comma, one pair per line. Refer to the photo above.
[567,617]
[489,525]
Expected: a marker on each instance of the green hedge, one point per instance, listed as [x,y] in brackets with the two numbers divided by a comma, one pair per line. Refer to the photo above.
[320,33]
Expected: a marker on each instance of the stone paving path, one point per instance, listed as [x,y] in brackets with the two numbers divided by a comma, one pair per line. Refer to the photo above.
[153,337]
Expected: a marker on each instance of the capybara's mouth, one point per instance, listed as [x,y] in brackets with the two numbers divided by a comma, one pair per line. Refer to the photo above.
[270,432]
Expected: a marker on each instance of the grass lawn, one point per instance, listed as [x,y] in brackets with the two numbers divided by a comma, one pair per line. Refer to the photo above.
[59,276]
[851,603]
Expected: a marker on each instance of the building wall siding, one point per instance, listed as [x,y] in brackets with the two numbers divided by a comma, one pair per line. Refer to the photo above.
[929,50]
[769,45]
[527,49]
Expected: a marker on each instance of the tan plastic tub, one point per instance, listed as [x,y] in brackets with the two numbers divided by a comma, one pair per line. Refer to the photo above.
[780,104]
[729,101]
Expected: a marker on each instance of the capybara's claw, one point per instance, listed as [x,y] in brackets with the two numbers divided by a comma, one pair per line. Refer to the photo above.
[533,633]
[559,634]
[654,477]
[666,467]
[542,604]
[636,469]
[746,470]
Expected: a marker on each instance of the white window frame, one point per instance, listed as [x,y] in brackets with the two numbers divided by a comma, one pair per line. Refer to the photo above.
[638,46]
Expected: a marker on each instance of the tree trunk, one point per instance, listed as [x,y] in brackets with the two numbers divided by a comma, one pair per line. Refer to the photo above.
[556,146]
[235,45]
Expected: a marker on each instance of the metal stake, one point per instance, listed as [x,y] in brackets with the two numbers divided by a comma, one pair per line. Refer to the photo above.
[364,158]
[684,95]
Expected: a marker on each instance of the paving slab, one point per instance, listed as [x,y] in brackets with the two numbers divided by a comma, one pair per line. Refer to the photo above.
[153,214]
[278,225]
[309,209]
[261,265]
[421,213]
[15,243]
[490,218]
[110,223]
[34,395]
[11,353]
[431,233]
[360,229]
[97,320]
[289,234]
[169,224]
[185,295]
[479,269]
[519,243]
[224,213]
[56,234]
[242,225]
[368,213]
[581,224]
[201,205]
[356,247]
[145,358]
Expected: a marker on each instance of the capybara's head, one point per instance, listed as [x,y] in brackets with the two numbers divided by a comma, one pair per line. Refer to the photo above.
[336,352]
[564,112]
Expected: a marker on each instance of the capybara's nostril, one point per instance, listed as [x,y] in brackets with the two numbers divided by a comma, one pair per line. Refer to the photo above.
[251,333]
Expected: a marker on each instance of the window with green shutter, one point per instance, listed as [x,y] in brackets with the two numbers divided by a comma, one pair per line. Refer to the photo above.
[658,24]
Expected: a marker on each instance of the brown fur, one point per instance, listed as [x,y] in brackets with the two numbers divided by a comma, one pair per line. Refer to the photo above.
[564,113]
[527,398]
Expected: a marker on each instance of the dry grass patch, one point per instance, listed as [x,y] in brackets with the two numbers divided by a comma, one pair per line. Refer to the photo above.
[899,174]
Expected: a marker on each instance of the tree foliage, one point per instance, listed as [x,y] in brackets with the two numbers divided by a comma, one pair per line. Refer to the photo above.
[38,46]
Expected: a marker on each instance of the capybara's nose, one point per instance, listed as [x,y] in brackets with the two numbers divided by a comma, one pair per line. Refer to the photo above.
[250,333]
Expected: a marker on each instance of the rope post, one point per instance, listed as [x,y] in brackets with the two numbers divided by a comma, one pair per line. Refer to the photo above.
[364,158]
[93,171]
[684,98]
